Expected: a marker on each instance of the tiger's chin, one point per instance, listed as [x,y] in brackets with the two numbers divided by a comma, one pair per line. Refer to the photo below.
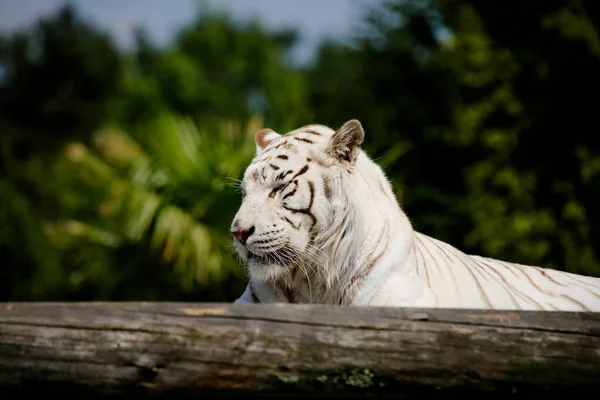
[269,266]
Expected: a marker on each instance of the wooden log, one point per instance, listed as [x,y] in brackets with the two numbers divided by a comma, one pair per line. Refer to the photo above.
[186,349]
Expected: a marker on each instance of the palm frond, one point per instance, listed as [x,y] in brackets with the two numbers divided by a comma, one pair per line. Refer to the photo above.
[173,191]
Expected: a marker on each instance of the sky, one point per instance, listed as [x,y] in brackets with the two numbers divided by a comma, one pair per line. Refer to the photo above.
[314,19]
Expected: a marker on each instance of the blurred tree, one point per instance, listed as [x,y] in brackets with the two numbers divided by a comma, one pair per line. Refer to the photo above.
[57,79]
[527,79]
[216,67]
[55,82]
[170,198]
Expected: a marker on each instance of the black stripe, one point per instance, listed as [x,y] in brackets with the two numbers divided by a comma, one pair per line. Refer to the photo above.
[277,189]
[576,279]
[450,261]
[302,171]
[484,295]
[311,132]
[293,272]
[437,301]
[303,140]
[283,175]
[479,267]
[475,279]
[510,266]
[549,277]
[286,219]
[275,167]
[416,258]
[287,292]
[510,288]
[282,156]
[307,210]
[290,194]
[327,188]
[425,267]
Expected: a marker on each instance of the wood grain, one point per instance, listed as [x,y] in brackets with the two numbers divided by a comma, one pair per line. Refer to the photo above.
[187,349]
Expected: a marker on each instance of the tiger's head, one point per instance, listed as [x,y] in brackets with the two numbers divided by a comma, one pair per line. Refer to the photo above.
[291,192]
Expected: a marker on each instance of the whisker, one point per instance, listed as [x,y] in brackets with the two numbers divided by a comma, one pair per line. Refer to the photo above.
[303,267]
[308,261]
[232,182]
[292,256]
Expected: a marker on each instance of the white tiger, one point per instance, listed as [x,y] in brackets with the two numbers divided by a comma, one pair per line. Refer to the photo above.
[319,223]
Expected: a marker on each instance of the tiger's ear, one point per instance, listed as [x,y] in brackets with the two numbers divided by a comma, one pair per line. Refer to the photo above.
[346,142]
[263,137]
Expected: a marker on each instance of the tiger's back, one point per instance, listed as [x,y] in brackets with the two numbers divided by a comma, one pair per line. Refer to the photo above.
[460,280]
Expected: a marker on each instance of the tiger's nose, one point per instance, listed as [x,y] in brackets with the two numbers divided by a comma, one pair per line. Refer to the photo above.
[242,234]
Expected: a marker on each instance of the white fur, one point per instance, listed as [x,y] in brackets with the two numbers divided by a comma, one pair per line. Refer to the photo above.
[411,269]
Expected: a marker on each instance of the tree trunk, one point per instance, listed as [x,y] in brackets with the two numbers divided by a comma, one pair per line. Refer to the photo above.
[189,349]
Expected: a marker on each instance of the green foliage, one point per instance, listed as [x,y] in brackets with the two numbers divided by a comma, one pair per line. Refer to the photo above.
[531,117]
[171,195]
[216,68]
[58,77]
[23,243]
[56,80]
[118,169]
